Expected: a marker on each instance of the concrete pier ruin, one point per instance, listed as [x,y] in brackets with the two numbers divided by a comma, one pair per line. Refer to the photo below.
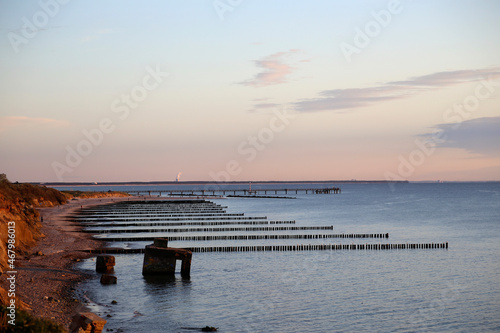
[161,259]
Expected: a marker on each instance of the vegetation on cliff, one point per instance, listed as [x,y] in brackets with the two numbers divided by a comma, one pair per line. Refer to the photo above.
[87,195]
[19,217]
[26,323]
[17,204]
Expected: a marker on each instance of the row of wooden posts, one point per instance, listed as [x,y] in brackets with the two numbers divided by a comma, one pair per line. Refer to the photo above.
[119,211]
[187,230]
[285,236]
[178,219]
[245,237]
[320,247]
[248,237]
[155,206]
[281,248]
[161,259]
[127,216]
[175,224]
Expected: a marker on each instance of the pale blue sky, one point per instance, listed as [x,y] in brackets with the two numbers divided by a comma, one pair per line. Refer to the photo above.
[354,118]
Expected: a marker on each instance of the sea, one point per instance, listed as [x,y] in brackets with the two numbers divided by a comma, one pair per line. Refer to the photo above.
[404,290]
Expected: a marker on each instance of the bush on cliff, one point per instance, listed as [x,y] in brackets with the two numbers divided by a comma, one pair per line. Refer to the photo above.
[26,323]
[17,204]
[86,195]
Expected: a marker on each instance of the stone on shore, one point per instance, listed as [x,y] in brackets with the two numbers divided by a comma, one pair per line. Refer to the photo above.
[108,279]
[105,263]
[87,322]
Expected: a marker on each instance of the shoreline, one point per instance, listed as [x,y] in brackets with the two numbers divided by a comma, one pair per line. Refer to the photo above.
[47,283]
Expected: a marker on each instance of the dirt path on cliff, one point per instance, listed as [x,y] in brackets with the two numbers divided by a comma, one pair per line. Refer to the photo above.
[47,283]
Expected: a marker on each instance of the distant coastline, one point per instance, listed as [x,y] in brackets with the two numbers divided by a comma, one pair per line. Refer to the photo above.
[218,183]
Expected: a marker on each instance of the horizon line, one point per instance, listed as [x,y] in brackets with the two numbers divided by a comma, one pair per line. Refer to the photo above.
[194,182]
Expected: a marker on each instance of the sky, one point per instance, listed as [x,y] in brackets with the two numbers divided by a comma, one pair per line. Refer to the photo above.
[248,90]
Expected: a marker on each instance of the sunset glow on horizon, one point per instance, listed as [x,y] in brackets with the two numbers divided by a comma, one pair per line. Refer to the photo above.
[249,90]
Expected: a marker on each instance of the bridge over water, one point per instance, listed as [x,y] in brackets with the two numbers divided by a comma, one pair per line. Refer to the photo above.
[246,192]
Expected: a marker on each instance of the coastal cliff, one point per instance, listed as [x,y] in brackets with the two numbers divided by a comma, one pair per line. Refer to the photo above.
[19,203]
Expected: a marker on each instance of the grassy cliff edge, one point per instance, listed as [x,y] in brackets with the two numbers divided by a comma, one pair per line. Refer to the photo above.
[18,204]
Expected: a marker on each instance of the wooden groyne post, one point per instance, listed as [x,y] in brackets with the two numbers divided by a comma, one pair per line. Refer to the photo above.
[161,259]
[299,247]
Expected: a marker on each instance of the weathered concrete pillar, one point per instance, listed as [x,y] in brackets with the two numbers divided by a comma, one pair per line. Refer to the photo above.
[105,264]
[161,259]
[160,242]
[186,265]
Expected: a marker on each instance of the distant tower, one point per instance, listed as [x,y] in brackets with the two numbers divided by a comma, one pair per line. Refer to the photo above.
[250,187]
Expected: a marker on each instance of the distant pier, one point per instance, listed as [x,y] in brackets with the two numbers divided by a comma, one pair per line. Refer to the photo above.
[240,192]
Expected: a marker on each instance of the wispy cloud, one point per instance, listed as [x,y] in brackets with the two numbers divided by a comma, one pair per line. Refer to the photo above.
[478,136]
[262,106]
[97,34]
[12,122]
[265,105]
[89,38]
[275,69]
[21,30]
[442,79]
[337,99]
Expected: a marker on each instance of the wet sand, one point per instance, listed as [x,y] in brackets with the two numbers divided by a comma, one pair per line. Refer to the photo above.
[47,282]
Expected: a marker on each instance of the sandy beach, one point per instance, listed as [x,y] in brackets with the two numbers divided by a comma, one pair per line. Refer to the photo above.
[47,282]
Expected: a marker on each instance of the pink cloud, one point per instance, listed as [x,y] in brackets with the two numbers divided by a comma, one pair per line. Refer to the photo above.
[275,69]
[11,122]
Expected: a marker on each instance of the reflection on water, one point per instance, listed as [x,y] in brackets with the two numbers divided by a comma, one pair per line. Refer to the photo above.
[454,290]
[160,281]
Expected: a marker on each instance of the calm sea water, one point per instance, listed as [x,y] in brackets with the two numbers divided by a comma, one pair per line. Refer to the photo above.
[454,290]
